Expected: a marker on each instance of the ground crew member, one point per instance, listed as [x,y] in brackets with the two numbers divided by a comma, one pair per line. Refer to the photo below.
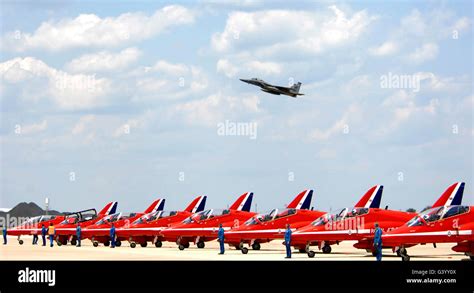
[220,238]
[35,239]
[43,234]
[112,236]
[288,241]
[378,242]
[4,232]
[78,235]
[51,232]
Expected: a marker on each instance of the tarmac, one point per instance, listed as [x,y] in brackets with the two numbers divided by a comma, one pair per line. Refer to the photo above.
[169,251]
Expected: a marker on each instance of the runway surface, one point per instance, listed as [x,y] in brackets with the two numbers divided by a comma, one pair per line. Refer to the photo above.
[269,251]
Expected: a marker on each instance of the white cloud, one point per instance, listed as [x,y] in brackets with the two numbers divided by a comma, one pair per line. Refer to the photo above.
[341,126]
[414,23]
[88,30]
[426,52]
[274,31]
[80,126]
[387,48]
[257,68]
[68,91]
[34,128]
[104,61]
[170,68]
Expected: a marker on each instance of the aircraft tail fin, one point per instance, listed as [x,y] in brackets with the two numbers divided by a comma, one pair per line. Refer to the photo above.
[295,88]
[451,196]
[372,198]
[243,203]
[157,205]
[109,208]
[197,205]
[302,200]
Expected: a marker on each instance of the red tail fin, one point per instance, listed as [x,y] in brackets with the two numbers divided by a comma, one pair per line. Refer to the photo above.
[372,198]
[109,208]
[197,205]
[157,205]
[243,203]
[302,200]
[451,196]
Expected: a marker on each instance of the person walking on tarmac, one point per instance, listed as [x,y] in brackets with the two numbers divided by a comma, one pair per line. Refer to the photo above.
[35,239]
[112,236]
[4,232]
[220,238]
[288,241]
[378,242]
[78,235]
[51,232]
[43,234]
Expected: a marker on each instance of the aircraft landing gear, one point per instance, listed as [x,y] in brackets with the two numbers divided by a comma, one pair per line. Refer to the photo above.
[244,250]
[158,243]
[133,244]
[95,243]
[143,244]
[201,244]
[20,242]
[402,252]
[181,247]
[256,246]
[118,243]
[106,243]
[327,248]
[301,250]
[73,242]
[471,257]
[311,254]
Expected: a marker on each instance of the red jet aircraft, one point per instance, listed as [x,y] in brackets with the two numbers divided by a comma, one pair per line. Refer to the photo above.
[148,227]
[33,225]
[66,230]
[446,222]
[356,225]
[203,226]
[99,232]
[266,227]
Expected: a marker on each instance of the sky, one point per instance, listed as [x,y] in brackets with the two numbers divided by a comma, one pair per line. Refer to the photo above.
[130,101]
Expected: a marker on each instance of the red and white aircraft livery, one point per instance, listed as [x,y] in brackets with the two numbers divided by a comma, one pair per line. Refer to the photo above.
[446,222]
[349,224]
[33,225]
[203,226]
[148,227]
[356,225]
[66,230]
[268,226]
[99,232]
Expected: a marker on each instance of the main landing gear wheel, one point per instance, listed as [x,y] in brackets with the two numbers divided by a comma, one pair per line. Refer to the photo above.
[106,243]
[311,254]
[402,252]
[327,249]
[471,257]
[133,244]
[240,246]
[73,242]
[158,243]
[244,250]
[143,244]
[59,243]
[201,244]
[256,246]
[20,242]
[95,243]
[186,245]
[181,247]
[405,257]
[302,250]
[374,253]
[118,243]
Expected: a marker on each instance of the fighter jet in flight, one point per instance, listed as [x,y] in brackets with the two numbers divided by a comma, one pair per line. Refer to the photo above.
[292,91]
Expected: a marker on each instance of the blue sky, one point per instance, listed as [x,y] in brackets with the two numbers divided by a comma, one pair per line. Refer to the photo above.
[75,76]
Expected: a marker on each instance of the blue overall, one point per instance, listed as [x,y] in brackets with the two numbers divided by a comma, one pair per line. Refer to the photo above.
[112,237]
[43,235]
[35,239]
[4,231]
[288,242]
[78,236]
[378,243]
[220,237]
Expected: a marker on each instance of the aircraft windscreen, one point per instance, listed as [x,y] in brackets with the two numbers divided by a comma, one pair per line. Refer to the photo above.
[321,220]
[357,212]
[436,214]
[73,219]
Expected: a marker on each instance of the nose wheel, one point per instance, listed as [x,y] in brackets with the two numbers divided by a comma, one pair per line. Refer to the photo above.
[327,249]
[256,246]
